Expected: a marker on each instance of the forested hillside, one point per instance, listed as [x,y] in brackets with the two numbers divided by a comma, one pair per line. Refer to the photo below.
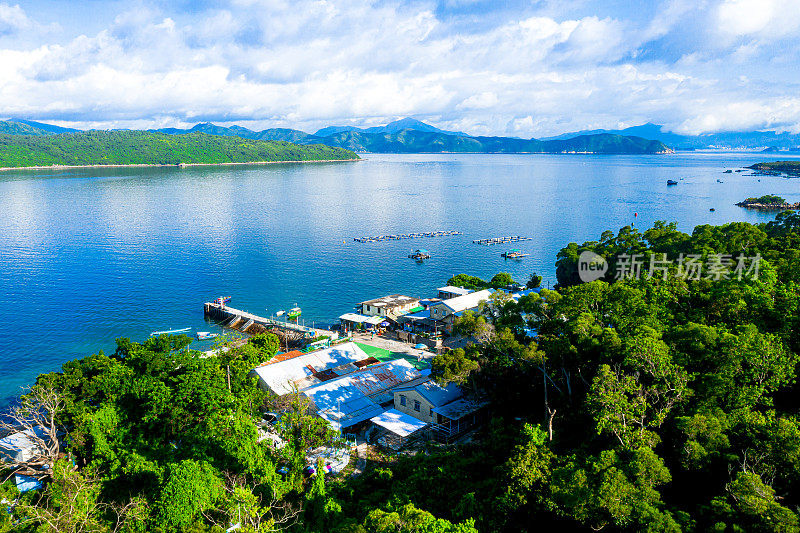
[139,148]
[652,403]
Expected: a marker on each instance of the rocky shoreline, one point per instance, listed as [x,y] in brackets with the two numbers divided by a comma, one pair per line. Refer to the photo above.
[769,207]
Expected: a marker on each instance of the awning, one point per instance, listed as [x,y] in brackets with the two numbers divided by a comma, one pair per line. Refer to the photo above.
[398,423]
[354,317]
[374,320]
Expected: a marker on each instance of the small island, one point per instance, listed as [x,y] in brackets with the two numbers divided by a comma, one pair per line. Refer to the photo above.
[790,168]
[768,202]
[142,148]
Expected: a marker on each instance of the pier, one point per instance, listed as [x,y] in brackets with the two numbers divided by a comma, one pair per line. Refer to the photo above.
[242,321]
[502,240]
[401,236]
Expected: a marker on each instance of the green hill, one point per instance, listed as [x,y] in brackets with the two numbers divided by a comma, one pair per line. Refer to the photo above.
[142,148]
[13,127]
[421,138]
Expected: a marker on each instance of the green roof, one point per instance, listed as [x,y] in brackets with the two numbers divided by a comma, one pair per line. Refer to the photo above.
[381,354]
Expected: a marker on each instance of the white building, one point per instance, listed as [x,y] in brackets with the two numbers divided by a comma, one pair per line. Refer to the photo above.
[304,371]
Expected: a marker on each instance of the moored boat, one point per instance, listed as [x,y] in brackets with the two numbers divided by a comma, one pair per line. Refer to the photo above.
[169,332]
[206,335]
[514,254]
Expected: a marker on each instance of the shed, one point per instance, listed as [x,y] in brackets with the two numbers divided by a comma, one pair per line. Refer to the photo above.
[397,429]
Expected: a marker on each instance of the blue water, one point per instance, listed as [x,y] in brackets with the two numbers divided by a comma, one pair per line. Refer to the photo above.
[90,255]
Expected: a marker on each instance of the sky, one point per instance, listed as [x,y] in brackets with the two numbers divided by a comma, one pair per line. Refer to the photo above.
[518,68]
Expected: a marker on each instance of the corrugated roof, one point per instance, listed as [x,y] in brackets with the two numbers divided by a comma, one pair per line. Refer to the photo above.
[468,301]
[454,290]
[435,393]
[350,399]
[282,377]
[398,423]
[459,408]
[354,317]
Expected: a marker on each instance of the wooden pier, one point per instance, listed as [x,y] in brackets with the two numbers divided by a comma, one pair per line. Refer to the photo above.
[242,321]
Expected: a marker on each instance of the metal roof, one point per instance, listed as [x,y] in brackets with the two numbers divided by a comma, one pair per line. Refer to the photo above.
[354,317]
[459,408]
[454,290]
[468,301]
[435,393]
[356,397]
[398,423]
[284,376]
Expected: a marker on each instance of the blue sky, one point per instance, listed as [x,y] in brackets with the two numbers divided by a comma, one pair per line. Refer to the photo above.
[521,68]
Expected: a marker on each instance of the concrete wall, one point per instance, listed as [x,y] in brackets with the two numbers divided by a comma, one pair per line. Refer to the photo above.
[424,412]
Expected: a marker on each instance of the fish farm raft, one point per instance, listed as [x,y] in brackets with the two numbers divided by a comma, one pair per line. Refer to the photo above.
[380,238]
[502,240]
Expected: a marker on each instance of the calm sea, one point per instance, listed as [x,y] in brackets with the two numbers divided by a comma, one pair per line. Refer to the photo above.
[89,256]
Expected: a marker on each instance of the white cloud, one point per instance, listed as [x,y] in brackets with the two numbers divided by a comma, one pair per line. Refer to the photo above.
[309,63]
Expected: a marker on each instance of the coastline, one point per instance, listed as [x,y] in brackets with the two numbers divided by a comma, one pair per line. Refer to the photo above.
[179,165]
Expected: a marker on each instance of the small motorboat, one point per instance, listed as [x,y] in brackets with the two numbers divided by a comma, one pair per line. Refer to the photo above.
[294,313]
[206,335]
[720,181]
[170,332]
[672,182]
[514,254]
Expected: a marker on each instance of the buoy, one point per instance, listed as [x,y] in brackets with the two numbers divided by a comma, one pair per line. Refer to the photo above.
[635,215]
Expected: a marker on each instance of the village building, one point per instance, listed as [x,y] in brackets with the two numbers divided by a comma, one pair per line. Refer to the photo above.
[306,370]
[389,307]
[446,311]
[445,408]
[449,292]
[349,400]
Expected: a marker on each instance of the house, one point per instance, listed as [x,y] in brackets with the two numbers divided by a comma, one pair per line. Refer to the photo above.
[306,370]
[357,397]
[390,307]
[448,292]
[445,311]
[419,400]
[449,413]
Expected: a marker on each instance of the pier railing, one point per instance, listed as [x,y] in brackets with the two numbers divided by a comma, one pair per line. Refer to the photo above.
[229,315]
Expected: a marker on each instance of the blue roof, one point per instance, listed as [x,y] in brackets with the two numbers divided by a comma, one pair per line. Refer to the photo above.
[26,483]
[435,393]
[422,314]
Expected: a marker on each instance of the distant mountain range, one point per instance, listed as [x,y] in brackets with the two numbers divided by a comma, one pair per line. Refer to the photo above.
[412,136]
[402,136]
[734,140]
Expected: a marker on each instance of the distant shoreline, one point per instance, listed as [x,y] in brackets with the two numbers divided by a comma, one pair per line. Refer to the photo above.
[179,165]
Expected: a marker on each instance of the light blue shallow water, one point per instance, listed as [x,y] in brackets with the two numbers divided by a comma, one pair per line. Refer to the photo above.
[90,255]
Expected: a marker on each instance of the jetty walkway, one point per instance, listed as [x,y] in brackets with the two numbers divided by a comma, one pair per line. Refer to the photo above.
[242,320]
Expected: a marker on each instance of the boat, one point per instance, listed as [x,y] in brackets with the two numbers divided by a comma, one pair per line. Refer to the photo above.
[170,332]
[720,181]
[294,313]
[672,182]
[420,254]
[206,335]
[514,254]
